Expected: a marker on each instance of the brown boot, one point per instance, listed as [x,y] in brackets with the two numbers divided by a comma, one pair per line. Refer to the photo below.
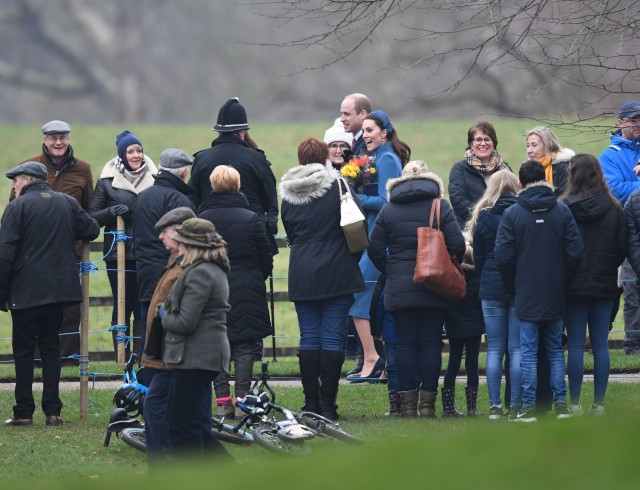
[449,403]
[394,405]
[427,405]
[408,403]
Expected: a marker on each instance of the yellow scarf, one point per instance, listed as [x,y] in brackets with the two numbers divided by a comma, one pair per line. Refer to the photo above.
[548,168]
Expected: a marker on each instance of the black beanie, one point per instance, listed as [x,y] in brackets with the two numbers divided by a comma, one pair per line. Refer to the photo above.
[231,117]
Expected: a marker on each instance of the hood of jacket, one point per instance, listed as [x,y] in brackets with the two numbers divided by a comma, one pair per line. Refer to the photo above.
[217,200]
[431,176]
[537,197]
[413,189]
[618,140]
[563,155]
[589,208]
[505,201]
[303,183]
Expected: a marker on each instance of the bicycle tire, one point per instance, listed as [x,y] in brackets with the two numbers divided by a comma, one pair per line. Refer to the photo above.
[328,428]
[134,437]
[266,437]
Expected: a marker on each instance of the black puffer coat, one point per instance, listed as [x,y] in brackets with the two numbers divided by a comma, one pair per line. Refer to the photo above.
[466,186]
[484,241]
[251,262]
[37,263]
[168,192]
[108,194]
[394,241]
[603,230]
[258,183]
[320,265]
[538,248]
[632,219]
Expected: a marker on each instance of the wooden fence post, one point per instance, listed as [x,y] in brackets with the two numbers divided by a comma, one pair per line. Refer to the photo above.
[120,250]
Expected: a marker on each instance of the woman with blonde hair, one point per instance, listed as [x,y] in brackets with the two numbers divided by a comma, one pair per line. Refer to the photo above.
[544,147]
[482,227]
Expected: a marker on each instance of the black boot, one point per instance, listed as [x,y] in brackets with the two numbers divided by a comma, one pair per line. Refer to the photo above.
[330,369]
[449,403]
[310,375]
[472,398]
[394,405]
[408,403]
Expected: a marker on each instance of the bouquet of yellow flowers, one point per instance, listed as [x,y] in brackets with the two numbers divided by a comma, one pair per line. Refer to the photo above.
[360,171]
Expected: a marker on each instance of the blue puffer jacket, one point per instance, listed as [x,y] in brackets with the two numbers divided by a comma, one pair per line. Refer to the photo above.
[617,162]
[484,240]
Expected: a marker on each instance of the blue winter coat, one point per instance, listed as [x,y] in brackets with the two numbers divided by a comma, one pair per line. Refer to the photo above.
[484,240]
[388,166]
[617,162]
[538,248]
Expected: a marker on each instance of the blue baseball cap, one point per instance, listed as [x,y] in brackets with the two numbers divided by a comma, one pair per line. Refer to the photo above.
[629,109]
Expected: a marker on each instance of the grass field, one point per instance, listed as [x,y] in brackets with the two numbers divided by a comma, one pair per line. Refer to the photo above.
[583,453]
[439,143]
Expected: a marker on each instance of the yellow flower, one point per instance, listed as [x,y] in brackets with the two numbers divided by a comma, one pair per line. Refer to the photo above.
[350,171]
[372,170]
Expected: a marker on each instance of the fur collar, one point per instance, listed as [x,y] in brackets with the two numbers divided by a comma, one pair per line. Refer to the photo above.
[391,183]
[110,171]
[303,183]
[563,155]
[540,183]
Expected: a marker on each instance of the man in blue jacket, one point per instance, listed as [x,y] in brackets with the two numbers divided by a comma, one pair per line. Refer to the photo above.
[537,247]
[620,163]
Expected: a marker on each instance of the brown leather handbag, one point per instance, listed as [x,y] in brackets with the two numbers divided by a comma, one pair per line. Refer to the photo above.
[434,266]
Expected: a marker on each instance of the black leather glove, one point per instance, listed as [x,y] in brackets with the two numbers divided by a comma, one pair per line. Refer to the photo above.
[119,210]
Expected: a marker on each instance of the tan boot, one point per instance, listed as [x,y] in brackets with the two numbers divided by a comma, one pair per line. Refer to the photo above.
[427,404]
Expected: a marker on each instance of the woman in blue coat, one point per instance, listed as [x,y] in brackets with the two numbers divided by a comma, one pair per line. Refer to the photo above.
[389,155]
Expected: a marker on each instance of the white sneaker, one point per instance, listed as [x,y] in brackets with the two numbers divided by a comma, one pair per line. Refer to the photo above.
[597,410]
[495,412]
[525,417]
[576,410]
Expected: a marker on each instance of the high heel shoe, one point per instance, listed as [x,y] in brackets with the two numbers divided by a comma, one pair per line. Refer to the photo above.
[373,377]
[357,368]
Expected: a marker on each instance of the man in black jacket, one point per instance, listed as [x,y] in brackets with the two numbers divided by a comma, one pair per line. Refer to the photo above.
[234,147]
[538,247]
[38,277]
[170,191]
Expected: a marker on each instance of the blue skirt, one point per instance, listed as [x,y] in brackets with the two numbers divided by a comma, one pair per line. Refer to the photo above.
[361,307]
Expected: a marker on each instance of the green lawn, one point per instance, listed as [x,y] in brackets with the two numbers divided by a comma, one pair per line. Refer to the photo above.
[585,453]
[438,142]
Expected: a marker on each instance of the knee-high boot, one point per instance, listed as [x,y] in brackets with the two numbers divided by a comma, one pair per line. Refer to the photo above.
[310,374]
[330,369]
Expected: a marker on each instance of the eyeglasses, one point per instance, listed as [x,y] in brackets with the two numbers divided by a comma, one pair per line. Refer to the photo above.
[341,146]
[482,140]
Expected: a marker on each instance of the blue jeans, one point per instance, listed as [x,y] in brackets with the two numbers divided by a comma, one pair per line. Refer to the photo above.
[156,402]
[551,334]
[323,324]
[595,314]
[503,335]
[419,348]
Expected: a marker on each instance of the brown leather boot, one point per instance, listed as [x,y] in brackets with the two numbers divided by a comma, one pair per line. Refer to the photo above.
[408,403]
[427,404]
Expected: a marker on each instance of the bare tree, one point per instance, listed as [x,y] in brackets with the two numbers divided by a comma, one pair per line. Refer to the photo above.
[589,49]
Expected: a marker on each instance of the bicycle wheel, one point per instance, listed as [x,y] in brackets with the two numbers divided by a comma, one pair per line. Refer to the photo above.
[135,437]
[327,427]
[225,433]
[266,436]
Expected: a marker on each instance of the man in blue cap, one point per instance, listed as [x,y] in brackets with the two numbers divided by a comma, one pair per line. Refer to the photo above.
[38,278]
[620,163]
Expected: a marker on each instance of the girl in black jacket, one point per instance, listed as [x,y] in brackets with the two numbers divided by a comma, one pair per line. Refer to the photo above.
[593,288]
[249,252]
[419,313]
[501,334]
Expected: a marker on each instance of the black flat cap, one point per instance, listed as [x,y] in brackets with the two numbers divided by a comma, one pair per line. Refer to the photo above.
[34,169]
[174,217]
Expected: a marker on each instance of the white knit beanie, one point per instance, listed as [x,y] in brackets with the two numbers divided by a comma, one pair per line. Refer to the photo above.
[337,133]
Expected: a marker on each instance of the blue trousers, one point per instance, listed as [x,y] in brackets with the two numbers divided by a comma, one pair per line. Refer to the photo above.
[323,324]
[595,315]
[156,401]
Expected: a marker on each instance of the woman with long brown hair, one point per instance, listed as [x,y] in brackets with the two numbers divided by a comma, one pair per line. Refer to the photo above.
[593,288]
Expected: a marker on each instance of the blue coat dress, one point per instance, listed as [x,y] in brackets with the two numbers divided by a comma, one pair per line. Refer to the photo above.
[388,166]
